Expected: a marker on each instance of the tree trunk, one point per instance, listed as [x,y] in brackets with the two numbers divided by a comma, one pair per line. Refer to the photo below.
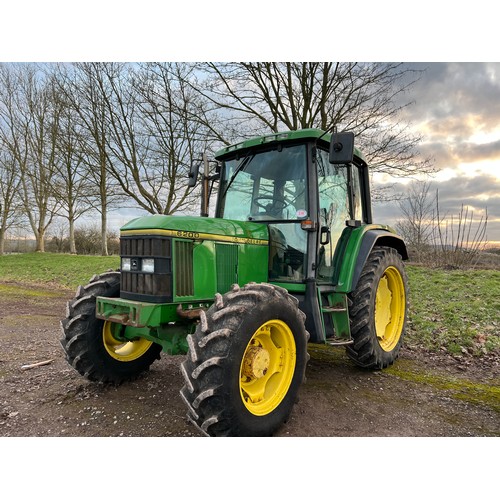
[72,246]
[40,240]
[104,224]
[2,240]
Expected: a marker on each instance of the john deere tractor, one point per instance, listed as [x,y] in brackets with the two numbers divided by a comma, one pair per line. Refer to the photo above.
[292,256]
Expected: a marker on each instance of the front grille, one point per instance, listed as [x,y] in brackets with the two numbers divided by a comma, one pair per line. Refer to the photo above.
[147,286]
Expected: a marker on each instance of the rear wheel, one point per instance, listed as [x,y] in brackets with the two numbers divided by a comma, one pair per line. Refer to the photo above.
[93,346]
[246,362]
[378,310]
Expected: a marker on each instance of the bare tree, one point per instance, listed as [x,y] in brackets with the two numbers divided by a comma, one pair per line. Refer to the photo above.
[43,112]
[439,239]
[175,139]
[154,141]
[458,240]
[10,203]
[14,149]
[362,97]
[79,84]
[30,115]
[73,186]
[142,135]
[418,211]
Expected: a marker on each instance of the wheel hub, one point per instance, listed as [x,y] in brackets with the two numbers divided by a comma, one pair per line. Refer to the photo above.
[256,363]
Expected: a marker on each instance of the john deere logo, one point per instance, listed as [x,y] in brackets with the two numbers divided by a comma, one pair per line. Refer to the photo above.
[134,264]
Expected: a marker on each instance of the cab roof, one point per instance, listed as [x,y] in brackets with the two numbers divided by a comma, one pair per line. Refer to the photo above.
[292,135]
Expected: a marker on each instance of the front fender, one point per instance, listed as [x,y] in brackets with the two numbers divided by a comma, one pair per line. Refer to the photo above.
[354,247]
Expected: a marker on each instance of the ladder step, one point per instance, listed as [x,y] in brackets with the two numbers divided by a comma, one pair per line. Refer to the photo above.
[330,309]
[335,342]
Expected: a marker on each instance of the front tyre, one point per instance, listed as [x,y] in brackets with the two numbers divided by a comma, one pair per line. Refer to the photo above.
[93,347]
[378,310]
[246,362]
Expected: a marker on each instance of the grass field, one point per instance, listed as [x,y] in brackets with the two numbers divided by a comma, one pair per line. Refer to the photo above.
[458,311]
[60,270]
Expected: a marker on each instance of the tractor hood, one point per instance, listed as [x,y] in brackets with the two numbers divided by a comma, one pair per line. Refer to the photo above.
[198,228]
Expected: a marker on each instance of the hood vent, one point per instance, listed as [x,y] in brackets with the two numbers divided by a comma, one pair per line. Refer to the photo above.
[184,282]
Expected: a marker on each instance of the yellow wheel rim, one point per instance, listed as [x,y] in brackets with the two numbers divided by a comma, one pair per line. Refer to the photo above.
[390,309]
[267,367]
[122,350]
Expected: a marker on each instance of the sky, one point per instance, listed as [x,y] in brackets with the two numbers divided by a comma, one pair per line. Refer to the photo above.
[456,109]
[456,105]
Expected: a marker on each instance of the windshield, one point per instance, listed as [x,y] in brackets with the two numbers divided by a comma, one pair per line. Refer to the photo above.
[270,185]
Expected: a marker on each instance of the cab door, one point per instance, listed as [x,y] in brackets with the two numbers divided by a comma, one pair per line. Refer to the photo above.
[339,202]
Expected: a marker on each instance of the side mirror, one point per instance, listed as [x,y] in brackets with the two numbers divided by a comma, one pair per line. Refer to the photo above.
[342,148]
[193,174]
[324,238]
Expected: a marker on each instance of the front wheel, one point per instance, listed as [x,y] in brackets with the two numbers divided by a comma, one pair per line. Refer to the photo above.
[378,310]
[93,347]
[246,362]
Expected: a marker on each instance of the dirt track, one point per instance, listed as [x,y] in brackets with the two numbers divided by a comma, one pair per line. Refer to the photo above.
[422,395]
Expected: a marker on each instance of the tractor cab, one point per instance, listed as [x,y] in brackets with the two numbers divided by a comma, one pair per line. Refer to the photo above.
[312,190]
[289,183]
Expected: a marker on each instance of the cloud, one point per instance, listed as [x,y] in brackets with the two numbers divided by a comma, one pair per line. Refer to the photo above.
[481,194]
[456,91]
[456,108]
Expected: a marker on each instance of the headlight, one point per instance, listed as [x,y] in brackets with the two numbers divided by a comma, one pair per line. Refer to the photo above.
[148,265]
[125,264]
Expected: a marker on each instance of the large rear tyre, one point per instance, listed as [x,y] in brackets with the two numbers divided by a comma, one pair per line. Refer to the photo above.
[92,346]
[378,310]
[246,362]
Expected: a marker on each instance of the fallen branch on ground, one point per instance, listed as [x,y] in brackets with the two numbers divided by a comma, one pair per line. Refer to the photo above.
[34,365]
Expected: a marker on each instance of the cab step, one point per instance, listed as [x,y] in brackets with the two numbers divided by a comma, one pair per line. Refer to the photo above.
[336,342]
[332,309]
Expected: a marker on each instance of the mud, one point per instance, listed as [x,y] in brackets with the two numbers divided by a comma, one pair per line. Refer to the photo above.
[423,394]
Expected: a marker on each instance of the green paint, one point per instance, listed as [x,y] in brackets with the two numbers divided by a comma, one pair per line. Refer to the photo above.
[217,266]
[341,322]
[346,254]
[172,338]
[138,314]
[291,287]
[195,228]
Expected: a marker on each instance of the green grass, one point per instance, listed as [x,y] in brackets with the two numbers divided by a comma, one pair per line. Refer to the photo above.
[458,388]
[455,311]
[59,270]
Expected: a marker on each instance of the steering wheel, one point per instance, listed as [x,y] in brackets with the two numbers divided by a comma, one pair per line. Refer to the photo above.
[277,204]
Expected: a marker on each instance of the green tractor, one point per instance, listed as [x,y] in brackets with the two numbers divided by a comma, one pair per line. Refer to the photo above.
[292,256]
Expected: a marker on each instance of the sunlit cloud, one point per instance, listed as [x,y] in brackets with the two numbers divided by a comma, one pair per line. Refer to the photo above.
[456,109]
